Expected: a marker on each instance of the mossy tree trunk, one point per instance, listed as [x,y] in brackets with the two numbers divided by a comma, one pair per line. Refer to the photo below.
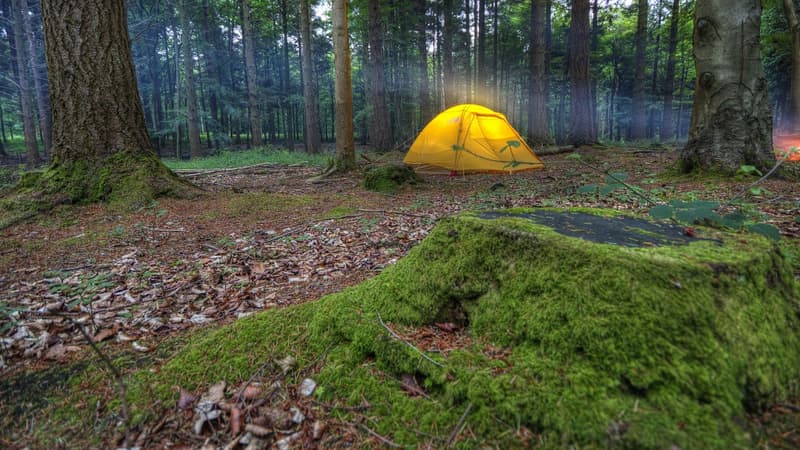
[343,119]
[101,149]
[732,118]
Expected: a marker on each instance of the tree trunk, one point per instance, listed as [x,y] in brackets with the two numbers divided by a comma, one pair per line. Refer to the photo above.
[156,111]
[794,97]
[19,10]
[345,145]
[40,89]
[667,122]
[286,81]
[380,134]
[211,57]
[447,58]
[731,119]
[313,138]
[538,129]
[482,97]
[101,150]
[426,112]
[638,110]
[250,69]
[581,116]
[193,129]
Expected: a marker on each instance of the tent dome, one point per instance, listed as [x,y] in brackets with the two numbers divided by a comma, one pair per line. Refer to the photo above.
[471,138]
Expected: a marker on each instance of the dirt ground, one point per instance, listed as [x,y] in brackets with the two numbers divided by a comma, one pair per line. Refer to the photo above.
[265,237]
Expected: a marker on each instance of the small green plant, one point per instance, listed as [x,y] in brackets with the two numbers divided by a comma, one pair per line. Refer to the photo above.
[117,232]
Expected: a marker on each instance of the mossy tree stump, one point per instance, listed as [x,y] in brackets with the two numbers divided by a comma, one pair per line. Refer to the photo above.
[587,329]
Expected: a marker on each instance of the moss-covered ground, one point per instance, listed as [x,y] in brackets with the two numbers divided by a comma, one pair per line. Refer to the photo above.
[632,347]
[531,338]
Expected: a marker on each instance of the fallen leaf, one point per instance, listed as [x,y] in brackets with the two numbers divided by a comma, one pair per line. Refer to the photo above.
[141,348]
[447,326]
[237,420]
[257,430]
[105,333]
[410,385]
[186,399]
[216,393]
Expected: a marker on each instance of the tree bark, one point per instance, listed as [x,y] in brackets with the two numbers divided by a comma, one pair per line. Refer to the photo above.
[538,127]
[731,120]
[794,88]
[101,150]
[313,139]
[211,56]
[345,145]
[638,110]
[380,134]
[19,10]
[582,131]
[250,70]
[667,122]
[193,128]
[425,106]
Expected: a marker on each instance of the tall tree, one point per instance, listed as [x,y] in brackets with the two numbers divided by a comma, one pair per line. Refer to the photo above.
[667,123]
[193,120]
[250,70]
[538,126]
[380,133]
[24,74]
[426,109]
[345,144]
[582,129]
[447,54]
[794,83]
[101,150]
[638,110]
[313,138]
[286,79]
[732,118]
[39,87]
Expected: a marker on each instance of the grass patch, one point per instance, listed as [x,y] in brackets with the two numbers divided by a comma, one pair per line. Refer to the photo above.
[230,159]
[253,203]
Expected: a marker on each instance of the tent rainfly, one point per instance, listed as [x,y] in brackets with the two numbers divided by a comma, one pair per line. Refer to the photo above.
[471,139]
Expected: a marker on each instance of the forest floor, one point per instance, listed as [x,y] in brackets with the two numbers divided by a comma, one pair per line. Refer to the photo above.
[264,237]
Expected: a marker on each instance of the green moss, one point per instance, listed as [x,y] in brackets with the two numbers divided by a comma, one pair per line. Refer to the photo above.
[606,345]
[389,177]
[260,202]
[338,211]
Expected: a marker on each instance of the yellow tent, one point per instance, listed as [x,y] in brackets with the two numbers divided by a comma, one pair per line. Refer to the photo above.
[471,138]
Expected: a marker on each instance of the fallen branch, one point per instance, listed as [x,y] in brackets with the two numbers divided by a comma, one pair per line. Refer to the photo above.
[755,183]
[197,172]
[396,336]
[459,426]
[165,230]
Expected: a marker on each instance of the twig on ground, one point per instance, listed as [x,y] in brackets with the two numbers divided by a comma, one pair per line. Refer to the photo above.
[459,426]
[114,371]
[398,213]
[396,336]
[374,434]
[755,183]
[197,172]
[165,230]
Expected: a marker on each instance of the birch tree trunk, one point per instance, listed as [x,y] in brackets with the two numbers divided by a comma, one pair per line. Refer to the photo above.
[732,117]
[343,120]
[250,70]
[313,139]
